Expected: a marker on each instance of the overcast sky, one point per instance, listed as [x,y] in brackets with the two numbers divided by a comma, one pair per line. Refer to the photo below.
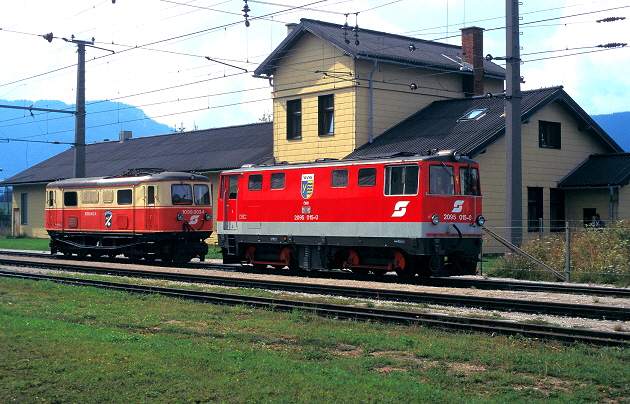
[160,48]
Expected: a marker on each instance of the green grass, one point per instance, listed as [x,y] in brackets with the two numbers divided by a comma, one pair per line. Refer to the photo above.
[77,344]
[25,243]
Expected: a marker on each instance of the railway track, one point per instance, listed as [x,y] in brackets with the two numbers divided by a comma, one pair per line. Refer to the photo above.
[357,313]
[485,303]
[463,283]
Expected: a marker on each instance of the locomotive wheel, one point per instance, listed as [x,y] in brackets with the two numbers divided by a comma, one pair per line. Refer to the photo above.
[250,257]
[403,268]
[353,259]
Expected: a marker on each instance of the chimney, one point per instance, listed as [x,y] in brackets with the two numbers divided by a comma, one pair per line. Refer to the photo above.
[124,135]
[472,52]
[290,27]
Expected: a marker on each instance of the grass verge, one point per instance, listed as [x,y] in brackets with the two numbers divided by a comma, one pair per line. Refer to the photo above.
[71,344]
[24,243]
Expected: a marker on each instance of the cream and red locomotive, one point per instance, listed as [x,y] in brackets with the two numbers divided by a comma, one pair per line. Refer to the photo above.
[165,215]
[408,214]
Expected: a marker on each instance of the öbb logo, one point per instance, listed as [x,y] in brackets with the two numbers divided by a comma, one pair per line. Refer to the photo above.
[458,206]
[400,209]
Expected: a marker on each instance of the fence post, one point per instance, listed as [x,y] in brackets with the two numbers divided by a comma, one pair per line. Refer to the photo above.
[567,264]
[540,229]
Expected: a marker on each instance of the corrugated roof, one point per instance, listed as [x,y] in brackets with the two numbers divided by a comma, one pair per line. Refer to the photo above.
[599,170]
[199,151]
[377,45]
[438,126]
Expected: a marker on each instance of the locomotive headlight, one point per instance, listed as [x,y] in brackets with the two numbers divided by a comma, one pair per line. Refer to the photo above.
[207,217]
[180,216]
[480,220]
[435,219]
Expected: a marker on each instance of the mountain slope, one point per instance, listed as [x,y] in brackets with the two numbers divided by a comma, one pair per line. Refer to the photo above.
[27,139]
[617,125]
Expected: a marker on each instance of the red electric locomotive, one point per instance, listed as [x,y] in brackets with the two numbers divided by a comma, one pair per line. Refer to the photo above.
[165,215]
[409,214]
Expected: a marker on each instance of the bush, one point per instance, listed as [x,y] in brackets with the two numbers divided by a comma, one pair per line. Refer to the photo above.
[597,256]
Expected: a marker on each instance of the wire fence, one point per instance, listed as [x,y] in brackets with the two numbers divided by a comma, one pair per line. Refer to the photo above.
[596,253]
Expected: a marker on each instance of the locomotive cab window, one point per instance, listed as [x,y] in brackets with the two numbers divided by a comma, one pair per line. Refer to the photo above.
[469,181]
[70,198]
[233,187]
[339,178]
[401,180]
[150,195]
[181,194]
[277,181]
[51,199]
[367,177]
[202,194]
[124,197]
[441,180]
[255,182]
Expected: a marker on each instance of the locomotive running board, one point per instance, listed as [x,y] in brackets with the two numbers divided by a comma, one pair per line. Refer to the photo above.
[524,254]
[95,247]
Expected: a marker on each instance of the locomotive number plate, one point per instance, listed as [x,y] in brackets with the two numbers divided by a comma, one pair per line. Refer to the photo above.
[305,217]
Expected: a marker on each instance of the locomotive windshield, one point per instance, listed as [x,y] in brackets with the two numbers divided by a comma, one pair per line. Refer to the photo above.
[182,194]
[202,194]
[469,181]
[401,180]
[441,180]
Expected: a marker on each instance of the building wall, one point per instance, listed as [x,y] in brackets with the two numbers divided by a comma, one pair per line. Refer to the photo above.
[622,206]
[313,68]
[597,199]
[542,167]
[394,100]
[35,226]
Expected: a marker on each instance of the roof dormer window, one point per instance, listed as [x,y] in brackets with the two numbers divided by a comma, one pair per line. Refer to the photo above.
[473,115]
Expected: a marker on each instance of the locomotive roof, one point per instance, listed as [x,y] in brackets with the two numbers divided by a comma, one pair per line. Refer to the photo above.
[445,156]
[127,180]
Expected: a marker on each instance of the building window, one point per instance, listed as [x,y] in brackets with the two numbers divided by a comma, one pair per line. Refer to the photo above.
[401,180]
[24,208]
[277,181]
[326,105]
[474,115]
[549,135]
[534,208]
[294,119]
[556,209]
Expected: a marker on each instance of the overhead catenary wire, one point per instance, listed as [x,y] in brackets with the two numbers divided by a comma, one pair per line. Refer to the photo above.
[200,56]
